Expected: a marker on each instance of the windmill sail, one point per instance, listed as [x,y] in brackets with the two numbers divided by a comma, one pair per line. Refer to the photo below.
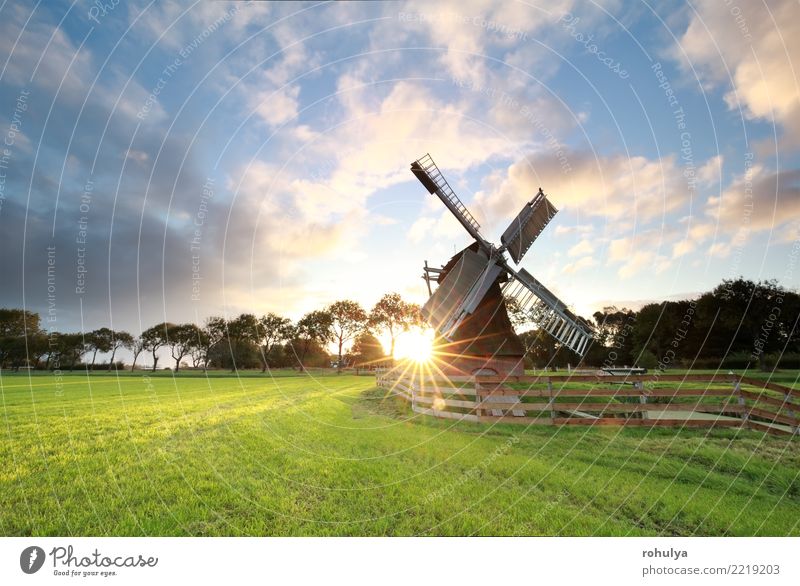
[460,292]
[548,311]
[527,226]
[429,175]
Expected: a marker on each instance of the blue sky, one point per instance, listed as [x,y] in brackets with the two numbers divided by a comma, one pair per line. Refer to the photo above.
[265,148]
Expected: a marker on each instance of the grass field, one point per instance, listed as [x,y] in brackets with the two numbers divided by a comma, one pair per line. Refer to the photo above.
[332,455]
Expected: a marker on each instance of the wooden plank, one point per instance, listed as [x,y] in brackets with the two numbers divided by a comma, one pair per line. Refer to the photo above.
[590,378]
[772,416]
[466,391]
[758,426]
[649,422]
[770,400]
[627,392]
[514,419]
[784,390]
[445,402]
[698,406]
[446,414]
[640,407]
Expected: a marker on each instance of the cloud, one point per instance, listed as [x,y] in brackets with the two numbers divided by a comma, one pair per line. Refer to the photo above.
[759,200]
[582,263]
[711,172]
[582,247]
[611,186]
[279,106]
[751,48]
[468,30]
[37,49]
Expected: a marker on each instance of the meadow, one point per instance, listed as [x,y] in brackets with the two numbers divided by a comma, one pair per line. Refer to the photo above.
[292,454]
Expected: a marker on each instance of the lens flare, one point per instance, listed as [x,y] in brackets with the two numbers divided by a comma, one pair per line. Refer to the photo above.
[414,344]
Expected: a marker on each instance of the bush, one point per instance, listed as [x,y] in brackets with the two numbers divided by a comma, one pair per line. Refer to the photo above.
[647,360]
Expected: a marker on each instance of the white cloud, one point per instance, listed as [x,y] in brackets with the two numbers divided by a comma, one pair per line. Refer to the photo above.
[279,106]
[711,171]
[760,200]
[754,51]
[581,248]
[612,186]
[582,263]
[421,229]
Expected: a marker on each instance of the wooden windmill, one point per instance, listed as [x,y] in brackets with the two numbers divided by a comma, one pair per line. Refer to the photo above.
[468,308]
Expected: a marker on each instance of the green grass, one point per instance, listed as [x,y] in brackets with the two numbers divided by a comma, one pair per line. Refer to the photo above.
[333,455]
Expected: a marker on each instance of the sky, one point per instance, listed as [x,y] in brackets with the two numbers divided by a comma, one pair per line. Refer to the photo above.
[171,161]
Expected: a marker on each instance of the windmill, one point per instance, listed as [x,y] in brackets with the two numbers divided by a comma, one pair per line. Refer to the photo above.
[468,308]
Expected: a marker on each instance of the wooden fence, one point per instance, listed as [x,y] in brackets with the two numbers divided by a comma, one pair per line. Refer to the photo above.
[691,400]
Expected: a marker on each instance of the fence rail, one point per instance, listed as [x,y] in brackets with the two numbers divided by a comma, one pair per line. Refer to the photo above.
[691,400]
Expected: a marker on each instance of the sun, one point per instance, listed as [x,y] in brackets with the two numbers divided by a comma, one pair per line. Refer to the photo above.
[415,344]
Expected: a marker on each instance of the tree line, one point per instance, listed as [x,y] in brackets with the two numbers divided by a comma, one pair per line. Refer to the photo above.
[738,324]
[246,341]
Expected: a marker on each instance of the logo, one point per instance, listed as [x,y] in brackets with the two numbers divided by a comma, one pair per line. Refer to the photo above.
[31,559]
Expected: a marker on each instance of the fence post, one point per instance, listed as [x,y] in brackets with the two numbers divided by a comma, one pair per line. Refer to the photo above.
[737,390]
[639,386]
[791,413]
[478,397]
[551,402]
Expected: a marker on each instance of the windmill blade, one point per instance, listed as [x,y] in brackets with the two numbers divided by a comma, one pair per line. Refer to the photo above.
[429,175]
[460,292]
[548,311]
[527,226]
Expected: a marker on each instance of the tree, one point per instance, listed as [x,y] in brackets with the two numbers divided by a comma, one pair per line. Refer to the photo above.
[38,345]
[757,318]
[136,347]
[154,338]
[367,349]
[18,322]
[210,336]
[71,347]
[199,352]
[242,335]
[120,340]
[182,339]
[15,326]
[271,331]
[393,315]
[101,340]
[348,319]
[614,335]
[314,328]
[540,347]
